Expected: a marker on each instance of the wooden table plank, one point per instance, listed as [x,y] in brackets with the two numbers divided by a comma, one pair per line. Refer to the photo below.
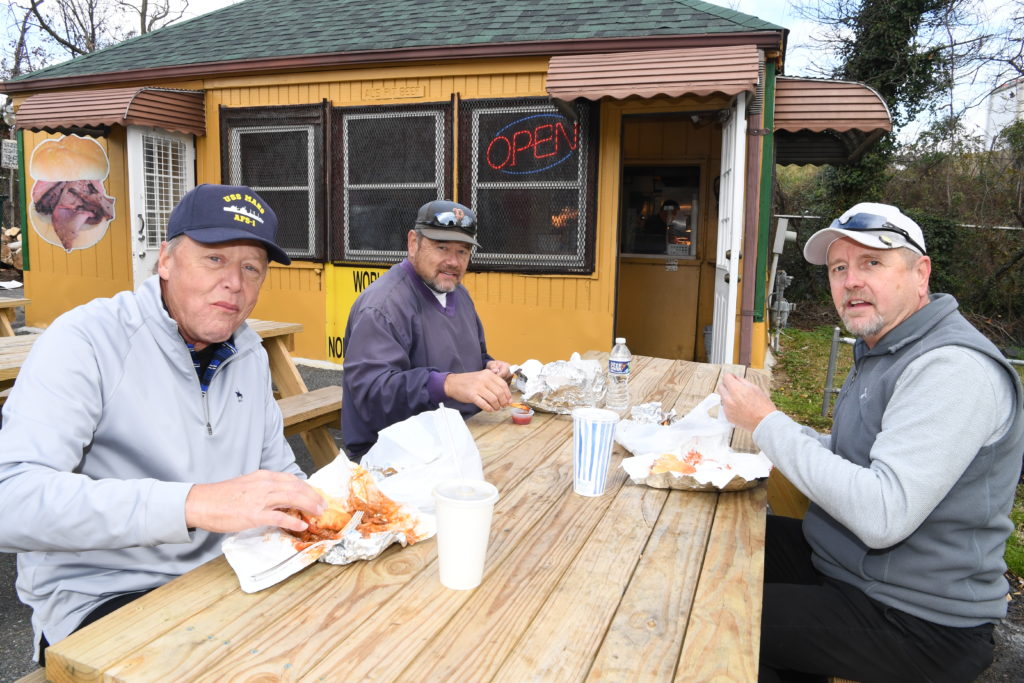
[650,625]
[588,594]
[723,635]
[92,650]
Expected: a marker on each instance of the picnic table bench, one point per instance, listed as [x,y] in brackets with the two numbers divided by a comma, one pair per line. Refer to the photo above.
[7,314]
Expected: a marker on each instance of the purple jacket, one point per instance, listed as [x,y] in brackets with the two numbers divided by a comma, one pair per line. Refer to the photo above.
[400,344]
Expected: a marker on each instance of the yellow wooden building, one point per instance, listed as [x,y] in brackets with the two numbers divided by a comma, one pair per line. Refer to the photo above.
[566,126]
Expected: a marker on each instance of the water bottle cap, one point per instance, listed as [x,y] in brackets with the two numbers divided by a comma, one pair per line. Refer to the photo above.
[620,340]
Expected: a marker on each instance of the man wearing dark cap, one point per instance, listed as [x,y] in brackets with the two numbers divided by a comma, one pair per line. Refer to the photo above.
[414,339]
[896,572]
[143,426]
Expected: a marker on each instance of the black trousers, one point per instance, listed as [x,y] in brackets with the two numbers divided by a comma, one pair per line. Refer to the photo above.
[813,627]
[103,610]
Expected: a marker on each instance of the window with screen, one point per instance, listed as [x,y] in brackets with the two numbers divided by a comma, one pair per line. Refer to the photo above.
[166,170]
[388,161]
[279,153]
[529,173]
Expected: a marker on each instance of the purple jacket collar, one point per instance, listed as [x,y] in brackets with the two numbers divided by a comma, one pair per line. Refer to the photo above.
[428,294]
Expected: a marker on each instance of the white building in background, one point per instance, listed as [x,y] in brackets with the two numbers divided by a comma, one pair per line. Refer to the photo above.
[1003,106]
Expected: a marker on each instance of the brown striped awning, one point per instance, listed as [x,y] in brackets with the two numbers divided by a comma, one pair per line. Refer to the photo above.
[820,121]
[72,111]
[728,70]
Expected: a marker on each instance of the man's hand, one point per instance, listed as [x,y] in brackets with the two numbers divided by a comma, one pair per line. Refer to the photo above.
[500,368]
[745,404]
[484,389]
[250,501]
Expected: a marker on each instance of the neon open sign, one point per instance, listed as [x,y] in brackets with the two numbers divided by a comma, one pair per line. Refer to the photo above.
[533,144]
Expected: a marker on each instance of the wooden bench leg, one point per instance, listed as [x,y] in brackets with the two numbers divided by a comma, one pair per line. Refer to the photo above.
[321,446]
[6,320]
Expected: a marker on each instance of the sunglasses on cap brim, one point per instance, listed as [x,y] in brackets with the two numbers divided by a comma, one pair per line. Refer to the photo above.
[448,219]
[870,222]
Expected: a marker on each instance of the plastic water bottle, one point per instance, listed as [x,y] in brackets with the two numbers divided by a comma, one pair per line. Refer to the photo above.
[619,362]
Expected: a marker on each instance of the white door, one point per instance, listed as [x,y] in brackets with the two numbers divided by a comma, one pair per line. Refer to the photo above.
[161,169]
[730,232]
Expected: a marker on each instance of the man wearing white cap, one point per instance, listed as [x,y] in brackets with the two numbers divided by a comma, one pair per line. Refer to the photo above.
[896,572]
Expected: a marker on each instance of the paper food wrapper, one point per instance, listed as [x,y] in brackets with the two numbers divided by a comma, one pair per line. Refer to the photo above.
[702,437]
[706,422]
[254,551]
[412,456]
[560,386]
[719,469]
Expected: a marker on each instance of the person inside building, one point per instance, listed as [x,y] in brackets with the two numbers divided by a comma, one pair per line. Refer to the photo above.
[896,571]
[142,427]
[414,339]
[652,236]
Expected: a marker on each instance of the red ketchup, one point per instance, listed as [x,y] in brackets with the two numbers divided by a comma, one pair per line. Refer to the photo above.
[522,417]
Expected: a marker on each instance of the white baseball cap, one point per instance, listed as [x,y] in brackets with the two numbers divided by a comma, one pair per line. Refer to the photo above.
[878,226]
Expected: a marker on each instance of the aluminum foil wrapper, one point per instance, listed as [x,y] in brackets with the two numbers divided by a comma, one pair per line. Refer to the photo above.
[652,414]
[562,385]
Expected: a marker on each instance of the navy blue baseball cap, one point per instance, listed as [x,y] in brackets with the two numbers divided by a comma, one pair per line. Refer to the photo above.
[447,221]
[221,213]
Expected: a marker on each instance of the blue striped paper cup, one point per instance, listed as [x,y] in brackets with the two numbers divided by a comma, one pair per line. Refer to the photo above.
[593,432]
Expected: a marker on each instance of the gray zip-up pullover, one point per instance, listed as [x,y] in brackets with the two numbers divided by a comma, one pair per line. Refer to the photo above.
[913,489]
[103,435]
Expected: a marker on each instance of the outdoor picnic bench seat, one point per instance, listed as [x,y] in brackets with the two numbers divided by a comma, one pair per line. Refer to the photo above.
[37,676]
[316,408]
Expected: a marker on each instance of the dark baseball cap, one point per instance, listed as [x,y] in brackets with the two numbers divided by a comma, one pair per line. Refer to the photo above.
[447,221]
[211,214]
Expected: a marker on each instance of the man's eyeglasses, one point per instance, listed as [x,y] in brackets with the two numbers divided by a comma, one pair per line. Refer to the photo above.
[870,222]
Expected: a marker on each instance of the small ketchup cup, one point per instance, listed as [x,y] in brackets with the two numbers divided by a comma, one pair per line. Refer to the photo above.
[522,417]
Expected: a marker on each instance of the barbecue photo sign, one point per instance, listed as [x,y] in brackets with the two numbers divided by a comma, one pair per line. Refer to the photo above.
[70,207]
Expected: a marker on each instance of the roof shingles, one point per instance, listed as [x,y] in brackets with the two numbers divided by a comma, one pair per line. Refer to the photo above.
[257,29]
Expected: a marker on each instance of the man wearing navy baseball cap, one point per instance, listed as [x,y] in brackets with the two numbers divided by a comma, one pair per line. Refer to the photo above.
[414,339]
[152,413]
[896,571]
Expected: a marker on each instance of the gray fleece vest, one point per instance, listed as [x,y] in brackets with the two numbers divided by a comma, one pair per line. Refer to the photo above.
[950,570]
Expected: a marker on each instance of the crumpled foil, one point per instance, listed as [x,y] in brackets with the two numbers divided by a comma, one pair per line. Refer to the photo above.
[652,414]
[560,386]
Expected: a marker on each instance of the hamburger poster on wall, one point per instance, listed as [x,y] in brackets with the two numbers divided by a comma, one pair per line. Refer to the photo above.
[70,207]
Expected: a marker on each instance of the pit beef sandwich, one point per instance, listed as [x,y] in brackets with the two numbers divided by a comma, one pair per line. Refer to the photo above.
[68,194]
[380,513]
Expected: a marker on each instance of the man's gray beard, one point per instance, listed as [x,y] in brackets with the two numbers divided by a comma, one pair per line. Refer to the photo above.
[864,328]
[432,285]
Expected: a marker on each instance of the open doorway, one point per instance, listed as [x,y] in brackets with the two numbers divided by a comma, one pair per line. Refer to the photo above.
[660,244]
[660,211]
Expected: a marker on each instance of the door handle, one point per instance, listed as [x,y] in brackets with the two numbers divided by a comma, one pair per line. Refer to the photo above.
[142,228]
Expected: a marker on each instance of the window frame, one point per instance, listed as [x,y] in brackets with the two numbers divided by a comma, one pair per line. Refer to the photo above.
[341,203]
[315,121]
[582,261]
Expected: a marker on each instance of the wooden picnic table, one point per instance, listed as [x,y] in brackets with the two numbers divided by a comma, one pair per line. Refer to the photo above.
[638,584]
[278,340]
[7,314]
